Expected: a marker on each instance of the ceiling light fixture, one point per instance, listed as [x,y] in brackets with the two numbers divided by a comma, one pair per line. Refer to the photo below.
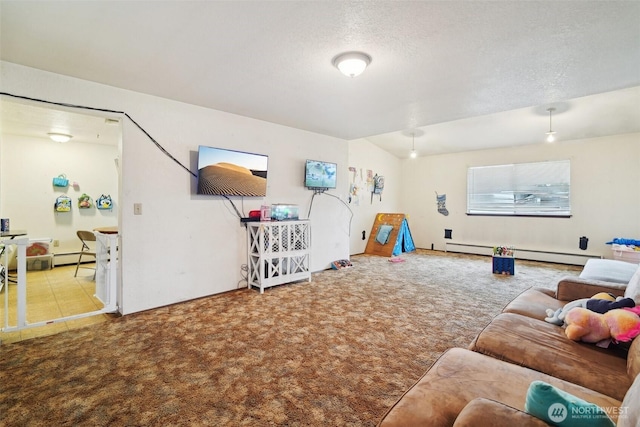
[413,154]
[59,137]
[352,64]
[551,135]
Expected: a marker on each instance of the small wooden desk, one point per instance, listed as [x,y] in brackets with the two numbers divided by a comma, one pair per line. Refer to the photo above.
[107,230]
[13,233]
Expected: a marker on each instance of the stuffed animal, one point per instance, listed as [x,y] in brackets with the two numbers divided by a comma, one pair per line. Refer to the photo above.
[621,325]
[586,325]
[624,324]
[557,317]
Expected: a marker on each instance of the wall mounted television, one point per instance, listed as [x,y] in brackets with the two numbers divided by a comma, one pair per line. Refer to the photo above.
[223,172]
[320,175]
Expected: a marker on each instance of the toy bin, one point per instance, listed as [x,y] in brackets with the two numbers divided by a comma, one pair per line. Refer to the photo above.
[38,255]
[504,265]
[626,253]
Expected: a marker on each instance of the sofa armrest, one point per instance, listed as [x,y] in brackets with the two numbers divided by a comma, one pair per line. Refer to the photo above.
[486,412]
[571,288]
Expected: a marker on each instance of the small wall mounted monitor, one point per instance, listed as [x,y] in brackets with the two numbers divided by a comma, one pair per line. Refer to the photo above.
[320,175]
[223,172]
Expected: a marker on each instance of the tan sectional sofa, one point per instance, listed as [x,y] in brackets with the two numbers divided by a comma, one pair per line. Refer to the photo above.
[487,384]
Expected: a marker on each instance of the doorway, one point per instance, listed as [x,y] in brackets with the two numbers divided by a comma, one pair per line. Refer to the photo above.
[29,160]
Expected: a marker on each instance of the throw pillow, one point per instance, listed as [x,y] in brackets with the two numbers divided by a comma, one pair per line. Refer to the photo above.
[383,234]
[559,408]
[633,288]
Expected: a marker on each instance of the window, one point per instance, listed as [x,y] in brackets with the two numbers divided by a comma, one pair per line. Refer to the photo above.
[524,189]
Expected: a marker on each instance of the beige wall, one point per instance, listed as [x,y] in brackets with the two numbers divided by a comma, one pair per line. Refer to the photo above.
[363,156]
[27,166]
[185,246]
[605,196]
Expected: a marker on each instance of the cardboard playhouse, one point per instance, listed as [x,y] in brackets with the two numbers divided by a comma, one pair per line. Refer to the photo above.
[390,235]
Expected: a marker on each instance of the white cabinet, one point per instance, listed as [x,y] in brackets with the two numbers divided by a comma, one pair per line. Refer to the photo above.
[278,252]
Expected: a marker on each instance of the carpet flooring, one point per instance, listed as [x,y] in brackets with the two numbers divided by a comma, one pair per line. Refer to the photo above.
[338,351]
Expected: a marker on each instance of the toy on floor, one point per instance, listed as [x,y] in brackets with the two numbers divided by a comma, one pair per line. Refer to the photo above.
[619,325]
[600,303]
[341,263]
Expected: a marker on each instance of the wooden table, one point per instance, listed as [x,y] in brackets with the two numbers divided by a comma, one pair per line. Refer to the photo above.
[107,230]
[12,234]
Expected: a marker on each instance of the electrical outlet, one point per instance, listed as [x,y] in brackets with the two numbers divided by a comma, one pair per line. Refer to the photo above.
[137,208]
[56,243]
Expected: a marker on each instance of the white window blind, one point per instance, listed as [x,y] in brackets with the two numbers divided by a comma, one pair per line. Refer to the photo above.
[527,189]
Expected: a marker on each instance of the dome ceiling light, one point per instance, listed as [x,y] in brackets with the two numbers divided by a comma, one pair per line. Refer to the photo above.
[59,137]
[352,64]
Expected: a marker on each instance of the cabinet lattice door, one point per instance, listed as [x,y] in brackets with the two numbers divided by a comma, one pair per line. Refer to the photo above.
[278,252]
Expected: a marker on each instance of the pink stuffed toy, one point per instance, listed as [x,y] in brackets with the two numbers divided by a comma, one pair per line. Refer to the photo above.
[621,325]
[624,324]
[586,325]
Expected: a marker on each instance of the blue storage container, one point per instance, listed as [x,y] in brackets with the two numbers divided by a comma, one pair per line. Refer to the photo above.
[504,265]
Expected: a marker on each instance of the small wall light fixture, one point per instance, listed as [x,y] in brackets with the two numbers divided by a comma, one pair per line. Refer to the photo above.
[551,135]
[413,153]
[352,64]
[59,137]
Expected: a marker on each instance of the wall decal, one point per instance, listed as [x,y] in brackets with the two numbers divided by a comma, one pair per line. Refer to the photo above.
[442,203]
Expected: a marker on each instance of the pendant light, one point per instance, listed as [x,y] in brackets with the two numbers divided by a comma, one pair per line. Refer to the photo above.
[413,153]
[551,135]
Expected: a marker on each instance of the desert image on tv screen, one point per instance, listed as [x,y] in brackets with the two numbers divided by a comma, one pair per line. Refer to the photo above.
[231,173]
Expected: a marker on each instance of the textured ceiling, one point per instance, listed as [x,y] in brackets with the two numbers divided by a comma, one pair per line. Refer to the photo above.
[481,65]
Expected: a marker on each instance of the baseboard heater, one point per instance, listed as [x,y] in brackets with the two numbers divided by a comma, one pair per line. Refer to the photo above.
[64,258]
[571,258]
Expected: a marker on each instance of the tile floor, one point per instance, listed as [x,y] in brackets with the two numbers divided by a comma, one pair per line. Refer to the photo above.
[52,294]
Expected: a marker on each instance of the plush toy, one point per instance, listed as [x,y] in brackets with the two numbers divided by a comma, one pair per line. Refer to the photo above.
[557,317]
[621,325]
[624,324]
[586,325]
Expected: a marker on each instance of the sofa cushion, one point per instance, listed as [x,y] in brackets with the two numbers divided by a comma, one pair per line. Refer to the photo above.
[633,288]
[571,288]
[608,270]
[629,415]
[633,360]
[486,412]
[544,347]
[534,302]
[459,376]
[560,408]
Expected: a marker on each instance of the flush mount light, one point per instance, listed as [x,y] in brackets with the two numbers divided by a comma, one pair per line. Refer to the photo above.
[413,153]
[551,135]
[352,64]
[59,137]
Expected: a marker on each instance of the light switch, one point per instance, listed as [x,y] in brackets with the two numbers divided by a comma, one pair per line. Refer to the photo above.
[137,208]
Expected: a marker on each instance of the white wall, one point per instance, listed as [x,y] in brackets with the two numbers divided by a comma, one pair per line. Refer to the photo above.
[185,246]
[365,156]
[27,166]
[605,196]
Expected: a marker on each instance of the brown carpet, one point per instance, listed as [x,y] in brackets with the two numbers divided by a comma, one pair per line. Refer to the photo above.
[337,351]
